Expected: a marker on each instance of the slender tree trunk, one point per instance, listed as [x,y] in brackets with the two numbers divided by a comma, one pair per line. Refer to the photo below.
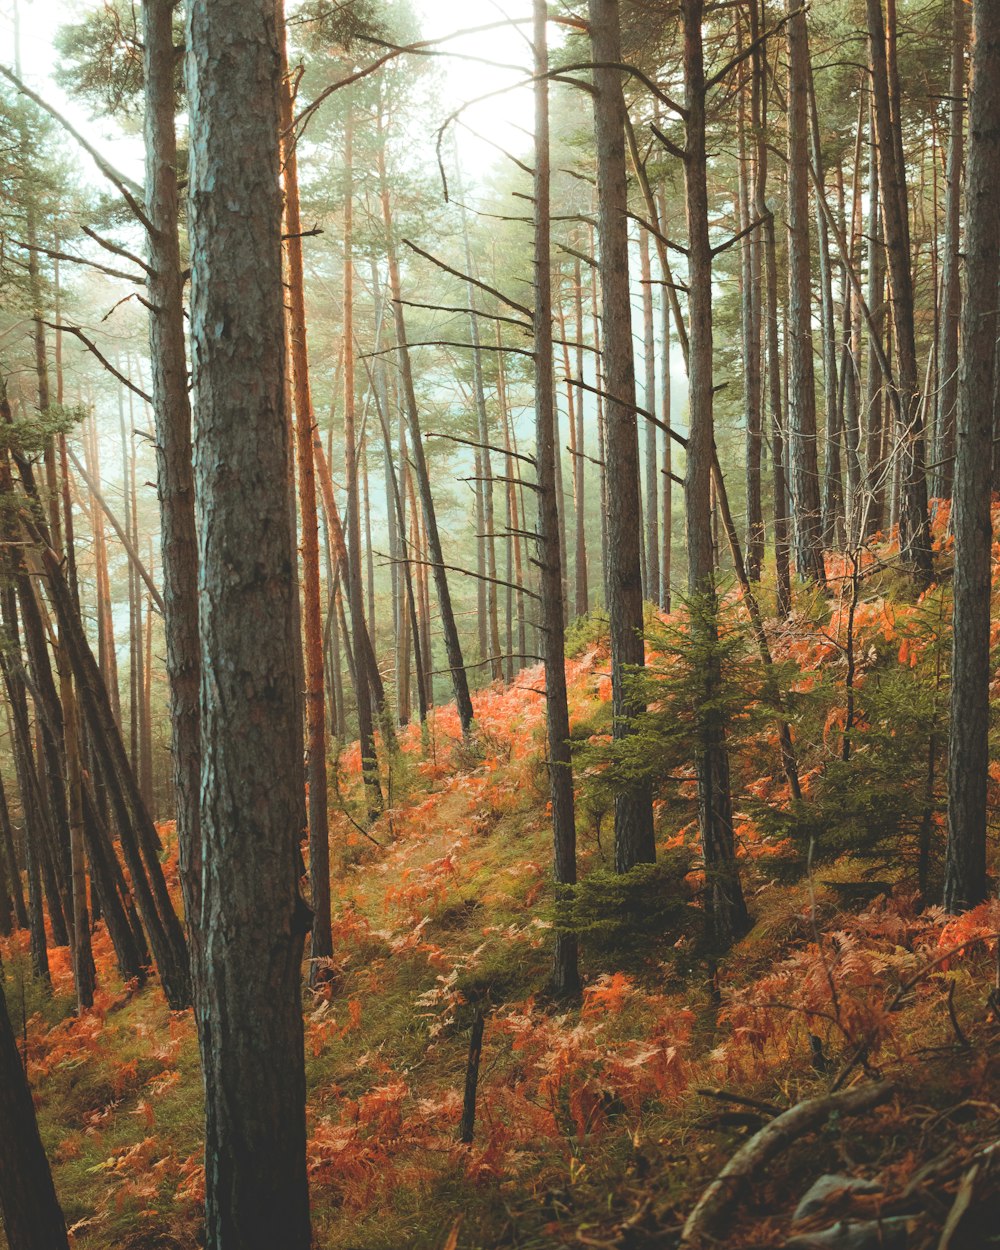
[581,580]
[951,283]
[634,838]
[312,623]
[833,483]
[725,904]
[453,646]
[651,522]
[914,528]
[968,756]
[565,976]
[875,468]
[253,919]
[750,322]
[802,397]
[18,915]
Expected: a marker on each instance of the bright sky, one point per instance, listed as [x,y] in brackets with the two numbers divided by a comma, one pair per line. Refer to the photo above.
[497,119]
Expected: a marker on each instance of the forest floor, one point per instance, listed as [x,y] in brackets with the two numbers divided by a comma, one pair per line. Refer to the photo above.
[598,1123]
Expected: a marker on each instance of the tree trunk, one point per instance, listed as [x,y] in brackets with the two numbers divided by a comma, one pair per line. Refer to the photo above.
[724,901]
[312,622]
[802,392]
[651,468]
[32,1217]
[634,838]
[750,324]
[453,646]
[968,757]
[253,919]
[914,528]
[565,976]
[951,283]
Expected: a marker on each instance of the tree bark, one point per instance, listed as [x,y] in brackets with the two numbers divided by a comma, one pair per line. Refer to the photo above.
[634,837]
[802,391]
[32,1217]
[968,757]
[565,976]
[253,919]
[726,908]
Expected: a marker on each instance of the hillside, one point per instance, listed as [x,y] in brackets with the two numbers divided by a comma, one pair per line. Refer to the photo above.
[598,1123]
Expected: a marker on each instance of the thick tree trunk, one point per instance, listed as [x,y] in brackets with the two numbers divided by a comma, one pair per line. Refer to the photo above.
[253,919]
[32,1217]
[968,756]
[18,913]
[634,838]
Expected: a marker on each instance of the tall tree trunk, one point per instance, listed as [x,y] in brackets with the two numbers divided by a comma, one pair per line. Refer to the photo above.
[750,324]
[651,518]
[833,483]
[634,838]
[312,621]
[802,398]
[565,976]
[172,420]
[581,580]
[12,872]
[724,902]
[968,756]
[914,528]
[253,919]
[951,282]
[453,646]
[354,579]
[873,510]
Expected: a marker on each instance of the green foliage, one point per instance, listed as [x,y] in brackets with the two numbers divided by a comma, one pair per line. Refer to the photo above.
[29,436]
[623,914]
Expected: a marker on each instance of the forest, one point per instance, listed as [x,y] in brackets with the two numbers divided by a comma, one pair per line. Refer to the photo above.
[497,570]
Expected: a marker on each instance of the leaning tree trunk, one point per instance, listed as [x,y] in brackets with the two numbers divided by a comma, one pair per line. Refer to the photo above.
[634,838]
[968,756]
[253,919]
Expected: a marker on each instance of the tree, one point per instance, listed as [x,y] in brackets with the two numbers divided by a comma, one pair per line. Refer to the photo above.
[804,463]
[253,920]
[32,1217]
[634,838]
[965,871]
[725,903]
[565,977]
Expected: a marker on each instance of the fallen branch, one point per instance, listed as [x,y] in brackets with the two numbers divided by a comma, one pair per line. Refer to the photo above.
[725,1191]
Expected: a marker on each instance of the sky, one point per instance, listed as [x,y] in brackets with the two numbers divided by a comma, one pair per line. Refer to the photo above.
[497,120]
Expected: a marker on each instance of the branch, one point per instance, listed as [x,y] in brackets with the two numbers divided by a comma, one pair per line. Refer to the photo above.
[77,260]
[643,412]
[129,190]
[457,568]
[68,329]
[116,249]
[484,347]
[749,50]
[669,144]
[505,299]
[468,442]
[723,247]
[724,1192]
[126,543]
[466,312]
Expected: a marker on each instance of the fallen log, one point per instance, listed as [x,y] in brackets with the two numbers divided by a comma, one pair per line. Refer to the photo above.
[725,1191]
